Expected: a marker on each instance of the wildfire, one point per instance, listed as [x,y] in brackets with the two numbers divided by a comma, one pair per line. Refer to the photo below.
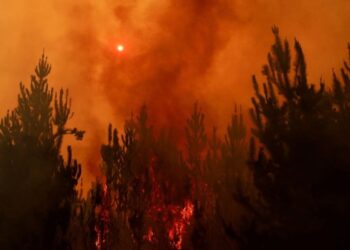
[150,237]
[175,218]
[187,211]
[178,228]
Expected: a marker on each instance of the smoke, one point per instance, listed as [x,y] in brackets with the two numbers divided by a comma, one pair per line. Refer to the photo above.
[169,50]
[167,53]
[176,52]
[180,48]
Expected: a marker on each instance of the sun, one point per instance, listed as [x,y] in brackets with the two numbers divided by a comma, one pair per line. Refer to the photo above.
[120,47]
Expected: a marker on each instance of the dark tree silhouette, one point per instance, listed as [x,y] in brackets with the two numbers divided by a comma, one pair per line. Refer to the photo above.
[196,142]
[302,169]
[36,186]
[234,188]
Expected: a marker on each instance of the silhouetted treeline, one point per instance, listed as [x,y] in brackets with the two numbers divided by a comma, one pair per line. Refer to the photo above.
[287,187]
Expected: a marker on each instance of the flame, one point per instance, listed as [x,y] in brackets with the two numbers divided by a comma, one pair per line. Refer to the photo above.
[174,217]
[178,220]
[187,211]
[178,228]
[98,237]
[150,236]
[102,220]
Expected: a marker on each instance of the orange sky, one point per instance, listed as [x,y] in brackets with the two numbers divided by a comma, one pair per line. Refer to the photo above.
[176,52]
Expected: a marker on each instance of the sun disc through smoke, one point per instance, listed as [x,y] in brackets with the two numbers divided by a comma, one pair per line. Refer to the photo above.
[120,48]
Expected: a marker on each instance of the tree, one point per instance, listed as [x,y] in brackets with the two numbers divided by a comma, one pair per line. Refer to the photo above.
[233,152]
[34,181]
[149,186]
[126,166]
[302,168]
[196,138]
[196,142]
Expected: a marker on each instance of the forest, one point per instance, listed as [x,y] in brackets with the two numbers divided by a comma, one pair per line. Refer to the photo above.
[278,179]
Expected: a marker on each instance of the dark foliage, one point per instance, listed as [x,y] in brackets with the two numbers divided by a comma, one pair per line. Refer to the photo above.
[303,169]
[37,188]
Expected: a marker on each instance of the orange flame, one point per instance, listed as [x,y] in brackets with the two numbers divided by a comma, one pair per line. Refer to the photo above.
[178,228]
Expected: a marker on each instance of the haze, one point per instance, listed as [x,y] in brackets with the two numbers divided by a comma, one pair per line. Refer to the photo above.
[175,52]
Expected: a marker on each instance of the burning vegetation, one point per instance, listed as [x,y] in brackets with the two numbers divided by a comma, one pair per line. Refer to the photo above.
[287,191]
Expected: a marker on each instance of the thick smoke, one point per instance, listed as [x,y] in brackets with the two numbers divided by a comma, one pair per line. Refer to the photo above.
[180,48]
[168,54]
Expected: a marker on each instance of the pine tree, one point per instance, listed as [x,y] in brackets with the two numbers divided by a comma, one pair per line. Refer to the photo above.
[196,142]
[302,167]
[196,138]
[234,189]
[33,177]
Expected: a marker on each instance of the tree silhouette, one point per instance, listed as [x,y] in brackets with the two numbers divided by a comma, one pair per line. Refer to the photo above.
[36,185]
[302,168]
[196,142]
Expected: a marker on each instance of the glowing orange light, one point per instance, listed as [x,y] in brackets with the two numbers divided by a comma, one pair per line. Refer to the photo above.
[120,48]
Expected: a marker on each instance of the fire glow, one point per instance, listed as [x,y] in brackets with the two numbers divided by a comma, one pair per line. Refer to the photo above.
[176,217]
[178,228]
